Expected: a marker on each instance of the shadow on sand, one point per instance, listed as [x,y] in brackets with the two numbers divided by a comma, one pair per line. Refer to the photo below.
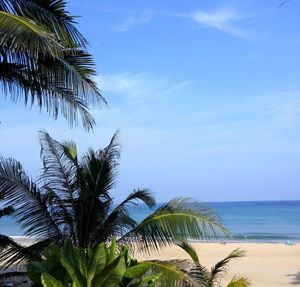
[295,278]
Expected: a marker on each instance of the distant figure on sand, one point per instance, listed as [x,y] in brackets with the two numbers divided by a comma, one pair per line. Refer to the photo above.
[289,243]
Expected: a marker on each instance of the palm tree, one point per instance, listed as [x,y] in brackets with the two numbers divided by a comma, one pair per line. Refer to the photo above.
[211,278]
[44,61]
[72,201]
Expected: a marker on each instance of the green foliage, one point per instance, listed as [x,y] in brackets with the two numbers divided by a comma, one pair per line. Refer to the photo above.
[44,61]
[72,201]
[92,267]
[239,282]
[211,278]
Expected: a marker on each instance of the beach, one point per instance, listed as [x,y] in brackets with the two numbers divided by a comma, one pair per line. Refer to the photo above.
[265,264]
[254,223]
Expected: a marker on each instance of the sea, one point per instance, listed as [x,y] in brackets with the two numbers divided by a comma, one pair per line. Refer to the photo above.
[256,221]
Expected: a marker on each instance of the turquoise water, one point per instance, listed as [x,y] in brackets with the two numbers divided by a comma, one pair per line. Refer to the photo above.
[267,221]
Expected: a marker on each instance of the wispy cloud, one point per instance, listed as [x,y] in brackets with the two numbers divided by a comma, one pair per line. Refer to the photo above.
[133,20]
[225,20]
[288,114]
[139,86]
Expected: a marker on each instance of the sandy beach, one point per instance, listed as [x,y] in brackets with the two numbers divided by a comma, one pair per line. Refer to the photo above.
[265,264]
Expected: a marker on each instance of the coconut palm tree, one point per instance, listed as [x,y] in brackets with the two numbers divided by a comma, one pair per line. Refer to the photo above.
[44,61]
[72,201]
[211,278]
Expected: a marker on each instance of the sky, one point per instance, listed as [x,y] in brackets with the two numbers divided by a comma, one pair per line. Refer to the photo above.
[206,95]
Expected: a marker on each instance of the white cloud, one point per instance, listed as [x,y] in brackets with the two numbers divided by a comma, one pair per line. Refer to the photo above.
[133,20]
[225,20]
[139,86]
[288,114]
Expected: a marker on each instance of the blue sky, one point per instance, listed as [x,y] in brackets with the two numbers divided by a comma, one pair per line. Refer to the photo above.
[206,94]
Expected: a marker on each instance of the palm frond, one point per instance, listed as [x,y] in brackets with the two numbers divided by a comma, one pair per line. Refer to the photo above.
[189,249]
[12,274]
[172,272]
[23,35]
[5,5]
[139,196]
[221,267]
[119,222]
[81,68]
[119,219]
[239,282]
[59,171]
[44,60]
[53,14]
[30,206]
[60,177]
[201,275]
[30,85]
[75,69]
[179,219]
[71,151]
[99,168]
[196,271]
[13,253]
[98,176]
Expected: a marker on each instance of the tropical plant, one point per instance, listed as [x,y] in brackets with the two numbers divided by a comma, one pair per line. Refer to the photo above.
[211,278]
[110,266]
[102,266]
[92,267]
[72,201]
[44,60]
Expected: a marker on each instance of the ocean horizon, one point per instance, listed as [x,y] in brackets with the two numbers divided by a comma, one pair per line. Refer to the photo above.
[247,221]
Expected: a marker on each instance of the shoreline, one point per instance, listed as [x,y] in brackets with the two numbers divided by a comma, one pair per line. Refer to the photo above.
[28,239]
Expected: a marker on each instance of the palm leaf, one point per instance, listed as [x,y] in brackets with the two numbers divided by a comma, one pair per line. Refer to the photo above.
[201,275]
[172,272]
[179,219]
[98,178]
[12,274]
[197,271]
[81,68]
[20,83]
[23,35]
[136,197]
[221,267]
[189,249]
[13,253]
[29,203]
[53,14]
[119,221]
[239,282]
[5,5]
[59,171]
[44,60]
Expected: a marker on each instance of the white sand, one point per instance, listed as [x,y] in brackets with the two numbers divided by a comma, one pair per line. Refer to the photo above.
[265,264]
